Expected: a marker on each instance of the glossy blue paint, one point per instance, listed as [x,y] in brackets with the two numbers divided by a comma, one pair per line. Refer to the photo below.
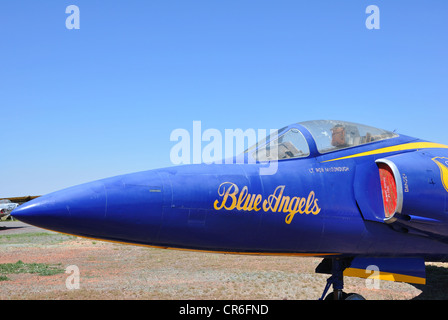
[342,211]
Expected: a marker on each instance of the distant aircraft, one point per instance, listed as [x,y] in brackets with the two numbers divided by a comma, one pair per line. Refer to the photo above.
[370,202]
[6,206]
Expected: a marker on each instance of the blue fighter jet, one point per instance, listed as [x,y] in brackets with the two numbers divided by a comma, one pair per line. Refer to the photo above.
[354,195]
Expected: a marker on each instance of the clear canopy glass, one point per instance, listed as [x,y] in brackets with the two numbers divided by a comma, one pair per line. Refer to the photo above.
[289,144]
[331,135]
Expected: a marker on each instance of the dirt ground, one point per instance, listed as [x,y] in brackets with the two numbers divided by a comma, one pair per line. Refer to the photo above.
[116,271]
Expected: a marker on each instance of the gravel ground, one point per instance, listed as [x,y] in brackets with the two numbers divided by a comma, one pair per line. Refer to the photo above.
[115,271]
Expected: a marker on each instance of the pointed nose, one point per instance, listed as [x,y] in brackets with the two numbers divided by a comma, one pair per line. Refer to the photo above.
[126,208]
[67,209]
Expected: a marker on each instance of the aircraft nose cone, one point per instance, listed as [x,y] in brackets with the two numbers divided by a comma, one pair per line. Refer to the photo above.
[65,210]
[125,208]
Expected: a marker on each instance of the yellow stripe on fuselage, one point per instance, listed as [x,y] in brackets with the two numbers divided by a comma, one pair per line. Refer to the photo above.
[400,147]
[388,276]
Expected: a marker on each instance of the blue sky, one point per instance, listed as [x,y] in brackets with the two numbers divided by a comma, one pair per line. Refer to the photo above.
[80,105]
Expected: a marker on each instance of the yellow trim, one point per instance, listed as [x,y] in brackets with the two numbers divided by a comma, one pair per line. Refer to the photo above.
[443,171]
[205,251]
[401,147]
[361,273]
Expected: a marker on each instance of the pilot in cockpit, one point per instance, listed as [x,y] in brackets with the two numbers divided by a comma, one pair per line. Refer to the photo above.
[338,136]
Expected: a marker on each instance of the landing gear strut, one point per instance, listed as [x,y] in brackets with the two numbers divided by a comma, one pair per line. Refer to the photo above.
[336,267]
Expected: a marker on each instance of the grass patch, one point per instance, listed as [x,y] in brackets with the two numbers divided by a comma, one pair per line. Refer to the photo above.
[34,238]
[42,269]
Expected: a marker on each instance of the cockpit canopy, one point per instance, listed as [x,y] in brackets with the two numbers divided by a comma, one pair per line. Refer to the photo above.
[331,135]
[328,135]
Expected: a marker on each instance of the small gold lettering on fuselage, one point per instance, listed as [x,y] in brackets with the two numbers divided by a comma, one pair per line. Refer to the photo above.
[231,197]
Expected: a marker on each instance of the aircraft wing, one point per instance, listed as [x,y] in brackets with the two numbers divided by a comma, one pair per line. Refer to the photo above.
[22,199]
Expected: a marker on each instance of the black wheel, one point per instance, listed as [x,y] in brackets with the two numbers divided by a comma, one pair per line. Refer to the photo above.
[354,296]
[346,296]
[330,296]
